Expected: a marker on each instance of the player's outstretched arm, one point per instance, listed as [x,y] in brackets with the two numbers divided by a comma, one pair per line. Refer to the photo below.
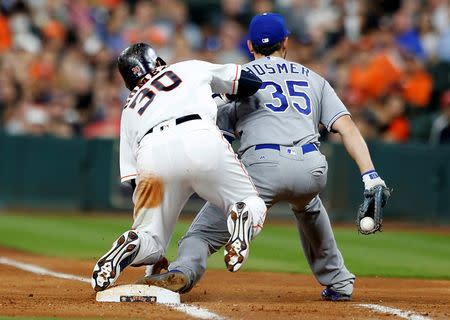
[370,215]
[354,142]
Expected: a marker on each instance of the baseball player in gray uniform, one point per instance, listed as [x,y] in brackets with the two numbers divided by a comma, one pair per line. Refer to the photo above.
[278,129]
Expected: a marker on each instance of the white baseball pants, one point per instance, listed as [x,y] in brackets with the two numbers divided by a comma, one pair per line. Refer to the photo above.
[174,161]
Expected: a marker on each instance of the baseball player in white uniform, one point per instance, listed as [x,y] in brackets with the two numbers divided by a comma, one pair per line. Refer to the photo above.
[170,148]
[279,135]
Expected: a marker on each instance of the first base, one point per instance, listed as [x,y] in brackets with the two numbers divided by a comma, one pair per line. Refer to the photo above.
[138,293]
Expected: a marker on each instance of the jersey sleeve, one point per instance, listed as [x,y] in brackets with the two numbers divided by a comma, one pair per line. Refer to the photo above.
[332,107]
[224,77]
[127,160]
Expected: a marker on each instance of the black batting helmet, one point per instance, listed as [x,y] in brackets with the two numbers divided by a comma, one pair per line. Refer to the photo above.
[136,61]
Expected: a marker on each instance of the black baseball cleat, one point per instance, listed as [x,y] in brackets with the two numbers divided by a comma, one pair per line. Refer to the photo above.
[240,227]
[329,294]
[173,280]
[121,255]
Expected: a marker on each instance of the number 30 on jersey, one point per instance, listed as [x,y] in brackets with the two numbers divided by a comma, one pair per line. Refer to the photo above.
[165,82]
[294,92]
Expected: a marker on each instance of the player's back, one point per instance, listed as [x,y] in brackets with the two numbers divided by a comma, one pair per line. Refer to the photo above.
[288,107]
[174,91]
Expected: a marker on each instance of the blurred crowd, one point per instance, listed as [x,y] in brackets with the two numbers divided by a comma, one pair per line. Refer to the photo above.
[388,60]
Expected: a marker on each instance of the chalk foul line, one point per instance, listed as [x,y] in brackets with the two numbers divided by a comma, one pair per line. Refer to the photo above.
[191,310]
[39,270]
[397,312]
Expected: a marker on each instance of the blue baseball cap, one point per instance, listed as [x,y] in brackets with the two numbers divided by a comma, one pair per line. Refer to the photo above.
[267,29]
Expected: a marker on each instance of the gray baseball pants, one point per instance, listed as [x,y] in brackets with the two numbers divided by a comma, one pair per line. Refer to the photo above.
[279,175]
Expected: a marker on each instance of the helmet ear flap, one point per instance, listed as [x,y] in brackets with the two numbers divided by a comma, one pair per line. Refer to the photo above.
[160,62]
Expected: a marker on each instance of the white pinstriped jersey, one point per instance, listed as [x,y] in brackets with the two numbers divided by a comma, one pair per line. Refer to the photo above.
[171,92]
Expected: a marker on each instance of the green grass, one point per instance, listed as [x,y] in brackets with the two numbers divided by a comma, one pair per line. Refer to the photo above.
[390,254]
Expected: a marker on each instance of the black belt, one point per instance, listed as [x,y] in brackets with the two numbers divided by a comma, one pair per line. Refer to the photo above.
[178,121]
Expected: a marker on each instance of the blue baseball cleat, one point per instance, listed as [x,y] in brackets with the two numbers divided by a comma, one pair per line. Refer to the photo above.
[329,294]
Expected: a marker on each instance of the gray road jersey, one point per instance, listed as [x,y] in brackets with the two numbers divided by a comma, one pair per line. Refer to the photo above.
[288,108]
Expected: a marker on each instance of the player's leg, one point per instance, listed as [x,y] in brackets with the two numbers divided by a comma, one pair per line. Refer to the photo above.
[313,223]
[154,221]
[245,217]
[206,235]
[209,232]
[233,193]
[321,251]
[159,197]
[305,175]
[156,224]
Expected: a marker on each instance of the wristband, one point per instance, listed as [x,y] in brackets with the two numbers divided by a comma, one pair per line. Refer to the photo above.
[372,174]
[372,179]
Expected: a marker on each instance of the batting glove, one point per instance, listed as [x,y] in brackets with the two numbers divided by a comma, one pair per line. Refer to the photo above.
[372,179]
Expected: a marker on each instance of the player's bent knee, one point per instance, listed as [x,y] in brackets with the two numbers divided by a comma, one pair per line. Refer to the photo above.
[150,250]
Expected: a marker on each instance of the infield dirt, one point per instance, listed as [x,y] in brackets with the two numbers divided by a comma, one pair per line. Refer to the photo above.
[242,295]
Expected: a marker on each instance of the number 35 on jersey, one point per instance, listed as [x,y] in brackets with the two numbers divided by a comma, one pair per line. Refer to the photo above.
[298,98]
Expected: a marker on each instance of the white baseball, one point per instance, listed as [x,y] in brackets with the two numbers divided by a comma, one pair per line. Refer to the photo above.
[367,224]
